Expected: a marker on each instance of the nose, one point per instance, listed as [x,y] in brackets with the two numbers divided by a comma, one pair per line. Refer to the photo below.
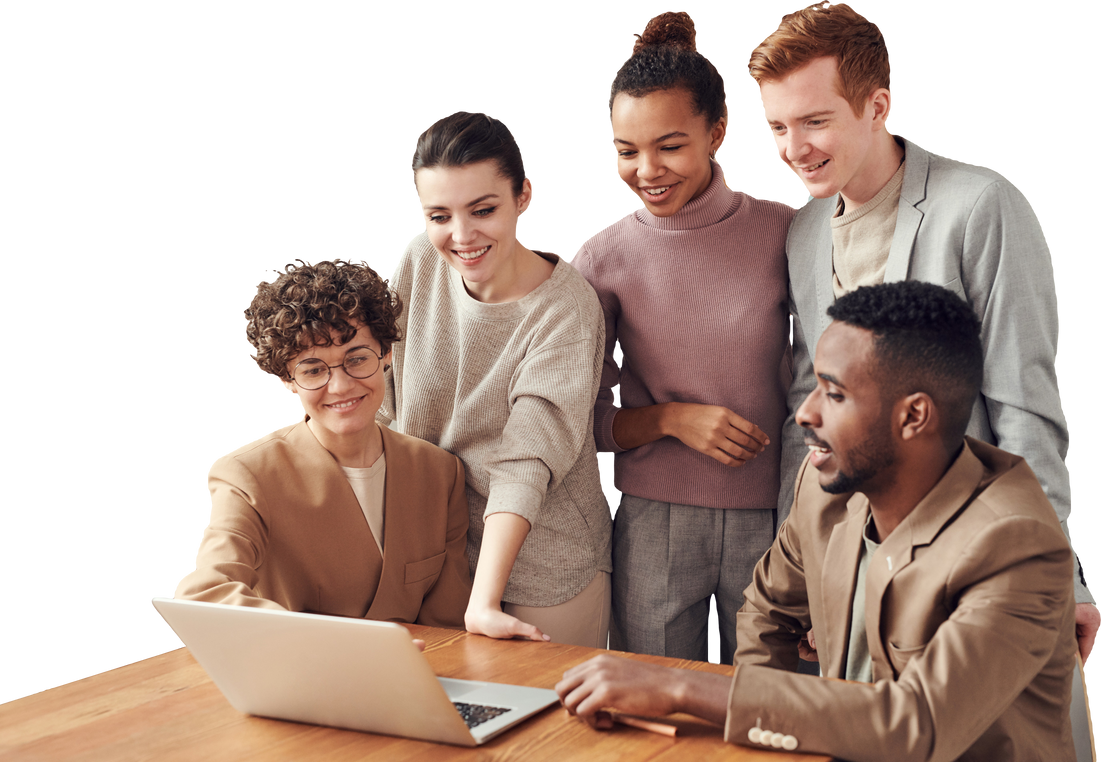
[808,413]
[650,166]
[339,380]
[793,145]
[463,232]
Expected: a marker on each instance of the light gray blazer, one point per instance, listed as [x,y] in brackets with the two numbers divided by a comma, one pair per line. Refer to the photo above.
[968,229]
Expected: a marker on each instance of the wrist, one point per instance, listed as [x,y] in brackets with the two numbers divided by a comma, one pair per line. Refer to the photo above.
[666,420]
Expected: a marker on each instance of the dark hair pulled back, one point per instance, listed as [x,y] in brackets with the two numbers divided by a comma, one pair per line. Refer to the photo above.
[464,138]
[664,58]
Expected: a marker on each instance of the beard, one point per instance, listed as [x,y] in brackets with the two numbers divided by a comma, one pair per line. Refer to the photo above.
[865,461]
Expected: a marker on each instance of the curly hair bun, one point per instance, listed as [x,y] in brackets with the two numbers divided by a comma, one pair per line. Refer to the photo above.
[674,29]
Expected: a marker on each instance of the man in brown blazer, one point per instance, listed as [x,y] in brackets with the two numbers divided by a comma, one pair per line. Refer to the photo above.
[932,565]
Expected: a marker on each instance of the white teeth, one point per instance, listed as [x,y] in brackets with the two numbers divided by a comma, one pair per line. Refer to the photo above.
[342,405]
[472,254]
[819,448]
[813,167]
[656,191]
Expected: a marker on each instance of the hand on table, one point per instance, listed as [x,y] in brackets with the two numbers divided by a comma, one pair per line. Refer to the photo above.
[717,432]
[1086,621]
[497,624]
[609,682]
[635,687]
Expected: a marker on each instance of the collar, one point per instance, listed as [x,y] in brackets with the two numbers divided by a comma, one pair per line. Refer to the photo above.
[715,204]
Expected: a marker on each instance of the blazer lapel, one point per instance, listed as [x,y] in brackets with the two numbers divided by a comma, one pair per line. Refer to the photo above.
[392,579]
[921,527]
[839,583]
[321,467]
[914,180]
[823,275]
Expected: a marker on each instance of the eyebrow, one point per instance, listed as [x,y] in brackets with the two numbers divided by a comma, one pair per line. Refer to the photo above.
[475,202]
[811,115]
[346,351]
[833,380]
[661,139]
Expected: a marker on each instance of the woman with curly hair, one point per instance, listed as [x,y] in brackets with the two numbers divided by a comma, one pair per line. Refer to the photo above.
[500,365]
[335,514]
[694,289]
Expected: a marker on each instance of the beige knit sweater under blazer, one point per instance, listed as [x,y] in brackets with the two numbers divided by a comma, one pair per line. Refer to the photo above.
[509,388]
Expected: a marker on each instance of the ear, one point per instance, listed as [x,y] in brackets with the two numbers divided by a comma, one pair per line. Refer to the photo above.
[524,198]
[916,415]
[293,387]
[387,359]
[718,134]
[880,104]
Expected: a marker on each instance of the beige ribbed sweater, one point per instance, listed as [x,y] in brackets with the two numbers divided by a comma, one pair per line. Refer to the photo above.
[509,388]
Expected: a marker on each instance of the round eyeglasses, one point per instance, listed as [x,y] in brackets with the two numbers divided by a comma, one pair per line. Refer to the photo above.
[312,374]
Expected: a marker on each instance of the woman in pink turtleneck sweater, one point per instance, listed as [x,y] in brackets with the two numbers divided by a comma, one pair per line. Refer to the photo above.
[694,288]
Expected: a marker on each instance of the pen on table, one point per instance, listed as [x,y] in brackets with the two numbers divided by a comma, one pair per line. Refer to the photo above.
[654,727]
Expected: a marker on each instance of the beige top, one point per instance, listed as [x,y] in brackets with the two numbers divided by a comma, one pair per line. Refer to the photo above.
[862,238]
[368,484]
[509,388]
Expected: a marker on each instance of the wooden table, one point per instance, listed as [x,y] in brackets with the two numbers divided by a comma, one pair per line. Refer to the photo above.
[166,708]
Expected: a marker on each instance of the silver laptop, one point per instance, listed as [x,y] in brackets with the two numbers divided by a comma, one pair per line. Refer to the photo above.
[345,673]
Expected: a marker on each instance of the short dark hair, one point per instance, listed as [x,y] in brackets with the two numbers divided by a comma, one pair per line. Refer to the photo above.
[926,339]
[464,138]
[665,58]
[307,303]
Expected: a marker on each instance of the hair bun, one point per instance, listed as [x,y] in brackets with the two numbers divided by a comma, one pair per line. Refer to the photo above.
[674,29]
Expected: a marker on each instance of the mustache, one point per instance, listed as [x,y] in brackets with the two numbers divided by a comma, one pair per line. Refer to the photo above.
[810,438]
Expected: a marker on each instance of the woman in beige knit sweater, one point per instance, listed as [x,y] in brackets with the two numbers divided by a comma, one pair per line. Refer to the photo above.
[500,365]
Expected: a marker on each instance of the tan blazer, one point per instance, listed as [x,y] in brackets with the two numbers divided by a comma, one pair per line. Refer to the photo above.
[969,614]
[286,531]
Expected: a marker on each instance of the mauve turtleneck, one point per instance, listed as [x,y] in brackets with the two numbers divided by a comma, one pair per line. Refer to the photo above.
[699,304]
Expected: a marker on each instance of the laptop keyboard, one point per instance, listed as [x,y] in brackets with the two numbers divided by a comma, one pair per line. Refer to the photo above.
[475,714]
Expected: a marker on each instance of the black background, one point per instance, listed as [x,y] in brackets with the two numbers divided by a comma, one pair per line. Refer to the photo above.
[270,137]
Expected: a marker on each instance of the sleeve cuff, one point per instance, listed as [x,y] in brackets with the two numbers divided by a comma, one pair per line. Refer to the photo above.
[514,497]
[603,419]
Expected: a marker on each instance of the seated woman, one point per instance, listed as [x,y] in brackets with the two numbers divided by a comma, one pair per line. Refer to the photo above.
[335,514]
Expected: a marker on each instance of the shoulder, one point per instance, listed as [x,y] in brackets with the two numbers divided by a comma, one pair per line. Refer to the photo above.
[417,452]
[767,211]
[265,455]
[1009,486]
[418,262]
[602,253]
[933,181]
[809,221]
[567,300]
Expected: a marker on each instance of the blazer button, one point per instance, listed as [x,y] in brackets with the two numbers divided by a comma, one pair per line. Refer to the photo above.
[766,737]
[777,740]
[754,735]
[789,743]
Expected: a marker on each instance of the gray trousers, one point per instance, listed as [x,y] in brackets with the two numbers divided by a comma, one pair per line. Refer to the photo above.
[668,560]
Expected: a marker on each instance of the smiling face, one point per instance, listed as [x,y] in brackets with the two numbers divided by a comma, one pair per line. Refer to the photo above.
[830,148]
[470,215]
[664,148]
[345,408]
[848,428]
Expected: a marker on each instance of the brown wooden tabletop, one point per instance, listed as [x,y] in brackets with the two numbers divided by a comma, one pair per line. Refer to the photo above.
[166,708]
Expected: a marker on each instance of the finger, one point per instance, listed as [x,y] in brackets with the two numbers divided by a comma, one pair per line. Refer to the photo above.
[746,441]
[520,629]
[603,720]
[751,430]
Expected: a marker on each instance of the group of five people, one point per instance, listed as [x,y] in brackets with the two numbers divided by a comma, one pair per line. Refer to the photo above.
[446,472]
